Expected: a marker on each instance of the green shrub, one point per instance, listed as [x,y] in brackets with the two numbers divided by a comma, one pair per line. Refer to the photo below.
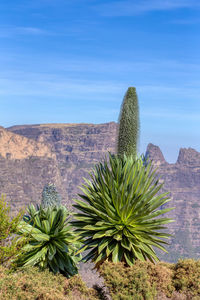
[148,281]
[118,219]
[49,241]
[187,276]
[8,228]
[32,283]
[128,283]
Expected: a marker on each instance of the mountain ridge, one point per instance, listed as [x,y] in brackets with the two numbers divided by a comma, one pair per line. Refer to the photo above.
[76,148]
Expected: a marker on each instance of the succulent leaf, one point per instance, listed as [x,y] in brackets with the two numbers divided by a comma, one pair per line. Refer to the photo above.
[49,241]
[119,217]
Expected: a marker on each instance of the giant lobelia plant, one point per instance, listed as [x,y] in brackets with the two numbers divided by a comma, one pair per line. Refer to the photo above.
[49,240]
[119,216]
[118,219]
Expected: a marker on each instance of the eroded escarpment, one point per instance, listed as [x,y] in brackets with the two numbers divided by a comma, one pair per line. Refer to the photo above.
[78,147]
[15,146]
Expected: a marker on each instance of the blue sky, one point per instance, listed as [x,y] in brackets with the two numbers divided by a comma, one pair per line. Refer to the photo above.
[72,61]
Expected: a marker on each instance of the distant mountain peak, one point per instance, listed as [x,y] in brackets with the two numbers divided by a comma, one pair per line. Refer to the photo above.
[188,156]
[154,153]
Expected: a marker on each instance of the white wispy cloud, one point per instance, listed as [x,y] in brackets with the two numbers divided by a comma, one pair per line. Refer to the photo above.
[185,21]
[78,65]
[70,31]
[130,7]
[169,114]
[51,85]
[69,78]
[10,31]
[30,30]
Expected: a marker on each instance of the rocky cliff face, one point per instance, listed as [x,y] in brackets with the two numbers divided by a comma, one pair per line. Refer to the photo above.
[25,167]
[154,153]
[77,148]
[188,157]
[182,180]
[14,146]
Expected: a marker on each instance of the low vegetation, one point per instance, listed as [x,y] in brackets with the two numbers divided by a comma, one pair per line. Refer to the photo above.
[9,245]
[32,283]
[147,281]
[143,281]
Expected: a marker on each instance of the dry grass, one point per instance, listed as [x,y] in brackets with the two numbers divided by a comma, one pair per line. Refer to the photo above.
[147,281]
[143,281]
[32,284]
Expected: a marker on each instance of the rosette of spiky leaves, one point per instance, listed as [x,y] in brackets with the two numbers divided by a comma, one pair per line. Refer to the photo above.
[119,219]
[49,240]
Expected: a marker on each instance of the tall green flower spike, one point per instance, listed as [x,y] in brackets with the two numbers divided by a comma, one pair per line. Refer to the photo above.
[128,132]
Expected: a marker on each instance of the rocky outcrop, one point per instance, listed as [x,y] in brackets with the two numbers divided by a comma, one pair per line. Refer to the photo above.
[189,157]
[23,180]
[182,180]
[154,153]
[14,146]
[25,167]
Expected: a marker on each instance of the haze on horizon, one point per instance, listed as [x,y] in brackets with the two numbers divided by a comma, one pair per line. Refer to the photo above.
[72,61]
